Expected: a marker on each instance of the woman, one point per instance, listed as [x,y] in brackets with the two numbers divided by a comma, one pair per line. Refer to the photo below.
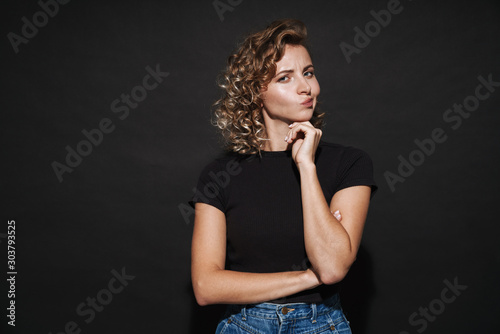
[268,238]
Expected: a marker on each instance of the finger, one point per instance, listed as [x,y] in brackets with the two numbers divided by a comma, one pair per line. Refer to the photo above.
[291,135]
[295,123]
[306,128]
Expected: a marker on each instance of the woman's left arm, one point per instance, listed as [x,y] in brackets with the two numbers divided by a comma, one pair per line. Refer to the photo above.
[331,245]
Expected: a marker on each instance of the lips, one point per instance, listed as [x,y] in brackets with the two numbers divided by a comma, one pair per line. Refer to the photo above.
[308,102]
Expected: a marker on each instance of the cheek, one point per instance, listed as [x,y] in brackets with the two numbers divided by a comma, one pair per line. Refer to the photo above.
[315,88]
[284,95]
[276,97]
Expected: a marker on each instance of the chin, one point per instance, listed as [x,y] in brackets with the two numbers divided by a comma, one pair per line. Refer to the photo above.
[305,117]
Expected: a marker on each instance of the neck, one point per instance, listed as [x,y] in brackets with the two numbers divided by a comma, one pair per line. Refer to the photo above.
[276,133]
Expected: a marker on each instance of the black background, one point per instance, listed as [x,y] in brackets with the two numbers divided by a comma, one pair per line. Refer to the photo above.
[120,208]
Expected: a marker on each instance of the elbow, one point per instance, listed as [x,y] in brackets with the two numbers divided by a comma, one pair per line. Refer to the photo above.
[206,287]
[335,273]
[201,301]
[201,293]
[333,276]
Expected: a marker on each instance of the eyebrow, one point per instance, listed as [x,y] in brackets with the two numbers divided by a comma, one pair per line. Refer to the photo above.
[291,71]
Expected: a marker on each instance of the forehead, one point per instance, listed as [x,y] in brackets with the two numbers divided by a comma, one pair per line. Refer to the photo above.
[295,55]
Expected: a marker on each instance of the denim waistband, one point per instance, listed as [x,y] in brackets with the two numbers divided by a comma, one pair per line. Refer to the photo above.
[286,311]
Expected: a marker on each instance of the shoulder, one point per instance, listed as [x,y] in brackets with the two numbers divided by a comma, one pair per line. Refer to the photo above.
[354,166]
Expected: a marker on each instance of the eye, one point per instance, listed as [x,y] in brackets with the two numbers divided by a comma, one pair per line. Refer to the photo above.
[309,74]
[283,79]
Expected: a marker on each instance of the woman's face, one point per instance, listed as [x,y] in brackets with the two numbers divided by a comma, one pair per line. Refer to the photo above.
[291,95]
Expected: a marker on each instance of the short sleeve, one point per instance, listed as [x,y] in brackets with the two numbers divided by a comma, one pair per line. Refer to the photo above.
[355,169]
[208,189]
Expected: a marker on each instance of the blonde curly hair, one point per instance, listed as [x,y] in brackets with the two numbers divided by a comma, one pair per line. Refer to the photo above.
[238,113]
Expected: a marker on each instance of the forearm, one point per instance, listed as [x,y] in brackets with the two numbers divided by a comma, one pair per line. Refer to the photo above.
[231,287]
[328,244]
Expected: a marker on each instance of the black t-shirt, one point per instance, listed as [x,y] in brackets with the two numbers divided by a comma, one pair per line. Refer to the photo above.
[261,199]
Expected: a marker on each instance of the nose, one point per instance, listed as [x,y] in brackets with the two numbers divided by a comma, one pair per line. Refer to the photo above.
[304,87]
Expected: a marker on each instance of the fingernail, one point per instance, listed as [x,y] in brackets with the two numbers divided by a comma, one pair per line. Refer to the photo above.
[286,138]
[336,212]
[290,125]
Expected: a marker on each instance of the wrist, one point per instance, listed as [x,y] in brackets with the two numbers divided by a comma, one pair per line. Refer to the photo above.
[311,278]
[306,167]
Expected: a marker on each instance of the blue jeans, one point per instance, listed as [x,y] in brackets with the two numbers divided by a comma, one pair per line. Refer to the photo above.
[297,318]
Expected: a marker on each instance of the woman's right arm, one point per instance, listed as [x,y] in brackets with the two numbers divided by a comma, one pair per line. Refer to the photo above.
[212,284]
